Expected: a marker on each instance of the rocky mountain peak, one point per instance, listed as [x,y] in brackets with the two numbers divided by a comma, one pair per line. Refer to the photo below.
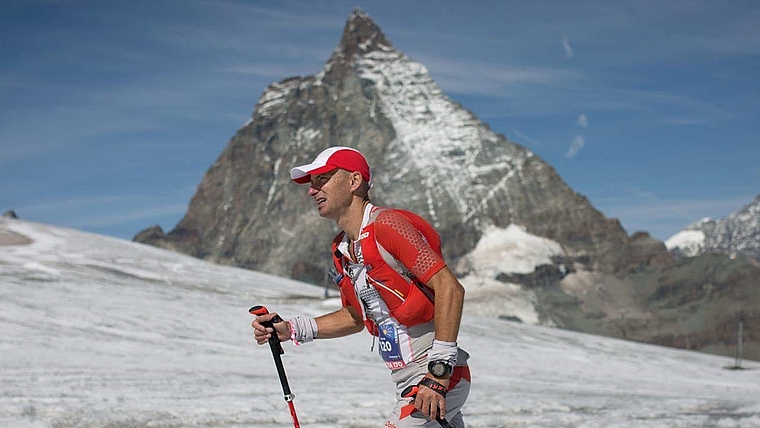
[372,97]
[360,36]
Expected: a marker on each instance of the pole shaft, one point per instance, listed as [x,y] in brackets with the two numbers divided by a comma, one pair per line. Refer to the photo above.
[739,343]
[293,414]
[280,368]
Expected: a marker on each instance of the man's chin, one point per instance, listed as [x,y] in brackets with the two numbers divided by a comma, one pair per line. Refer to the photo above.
[322,212]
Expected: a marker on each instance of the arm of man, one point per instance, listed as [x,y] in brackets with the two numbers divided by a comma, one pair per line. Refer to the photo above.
[449,300]
[340,323]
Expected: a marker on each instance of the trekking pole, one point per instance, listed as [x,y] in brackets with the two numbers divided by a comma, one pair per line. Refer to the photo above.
[411,392]
[277,351]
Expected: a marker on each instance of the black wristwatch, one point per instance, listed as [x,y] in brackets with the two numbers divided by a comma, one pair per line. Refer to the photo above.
[440,369]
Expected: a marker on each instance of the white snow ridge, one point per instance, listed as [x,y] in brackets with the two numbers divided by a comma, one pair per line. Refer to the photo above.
[101,332]
[689,242]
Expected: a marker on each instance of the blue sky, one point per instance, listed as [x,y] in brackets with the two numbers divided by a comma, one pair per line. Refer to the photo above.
[111,111]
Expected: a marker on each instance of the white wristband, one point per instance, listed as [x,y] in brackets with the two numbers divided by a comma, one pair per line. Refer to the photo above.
[303,329]
[443,351]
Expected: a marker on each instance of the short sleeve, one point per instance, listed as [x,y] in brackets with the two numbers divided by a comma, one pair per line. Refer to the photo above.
[407,244]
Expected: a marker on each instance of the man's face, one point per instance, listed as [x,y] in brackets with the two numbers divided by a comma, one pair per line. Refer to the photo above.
[332,193]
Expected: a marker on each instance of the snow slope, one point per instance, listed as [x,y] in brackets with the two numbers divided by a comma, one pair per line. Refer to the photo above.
[99,332]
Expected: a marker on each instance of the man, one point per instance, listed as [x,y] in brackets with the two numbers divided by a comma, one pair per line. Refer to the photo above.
[392,280]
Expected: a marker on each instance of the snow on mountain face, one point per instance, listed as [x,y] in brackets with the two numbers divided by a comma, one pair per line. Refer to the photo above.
[434,134]
[499,251]
[511,250]
[737,233]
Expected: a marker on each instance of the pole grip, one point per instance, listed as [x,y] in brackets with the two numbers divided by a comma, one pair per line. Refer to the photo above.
[274,341]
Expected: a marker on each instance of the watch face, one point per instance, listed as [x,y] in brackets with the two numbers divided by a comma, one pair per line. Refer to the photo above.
[439,369]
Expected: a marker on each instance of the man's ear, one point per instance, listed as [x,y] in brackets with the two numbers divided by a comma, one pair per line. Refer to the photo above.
[356,180]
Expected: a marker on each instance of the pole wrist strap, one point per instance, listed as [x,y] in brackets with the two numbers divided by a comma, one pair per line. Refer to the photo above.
[435,386]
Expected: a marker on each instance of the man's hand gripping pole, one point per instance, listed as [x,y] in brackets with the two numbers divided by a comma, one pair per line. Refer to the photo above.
[411,392]
[277,351]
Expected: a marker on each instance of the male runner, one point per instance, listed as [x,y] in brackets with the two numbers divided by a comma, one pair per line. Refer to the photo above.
[393,281]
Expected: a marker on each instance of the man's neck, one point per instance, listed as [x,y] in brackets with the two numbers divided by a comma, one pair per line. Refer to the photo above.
[351,221]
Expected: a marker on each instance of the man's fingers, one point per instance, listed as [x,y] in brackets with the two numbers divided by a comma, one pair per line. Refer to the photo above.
[266,317]
[261,338]
[436,408]
[260,333]
[433,411]
[430,403]
[441,409]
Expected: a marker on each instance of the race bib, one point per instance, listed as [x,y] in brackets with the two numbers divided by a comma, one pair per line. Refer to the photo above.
[390,350]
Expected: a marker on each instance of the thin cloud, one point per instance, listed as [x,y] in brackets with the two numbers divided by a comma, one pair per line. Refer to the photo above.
[273,70]
[633,201]
[88,212]
[75,126]
[130,215]
[524,137]
[582,120]
[71,204]
[542,90]
[567,47]
[675,121]
[480,78]
[740,36]
[662,218]
[575,146]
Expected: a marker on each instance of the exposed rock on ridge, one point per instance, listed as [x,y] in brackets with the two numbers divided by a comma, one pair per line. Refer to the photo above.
[737,233]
